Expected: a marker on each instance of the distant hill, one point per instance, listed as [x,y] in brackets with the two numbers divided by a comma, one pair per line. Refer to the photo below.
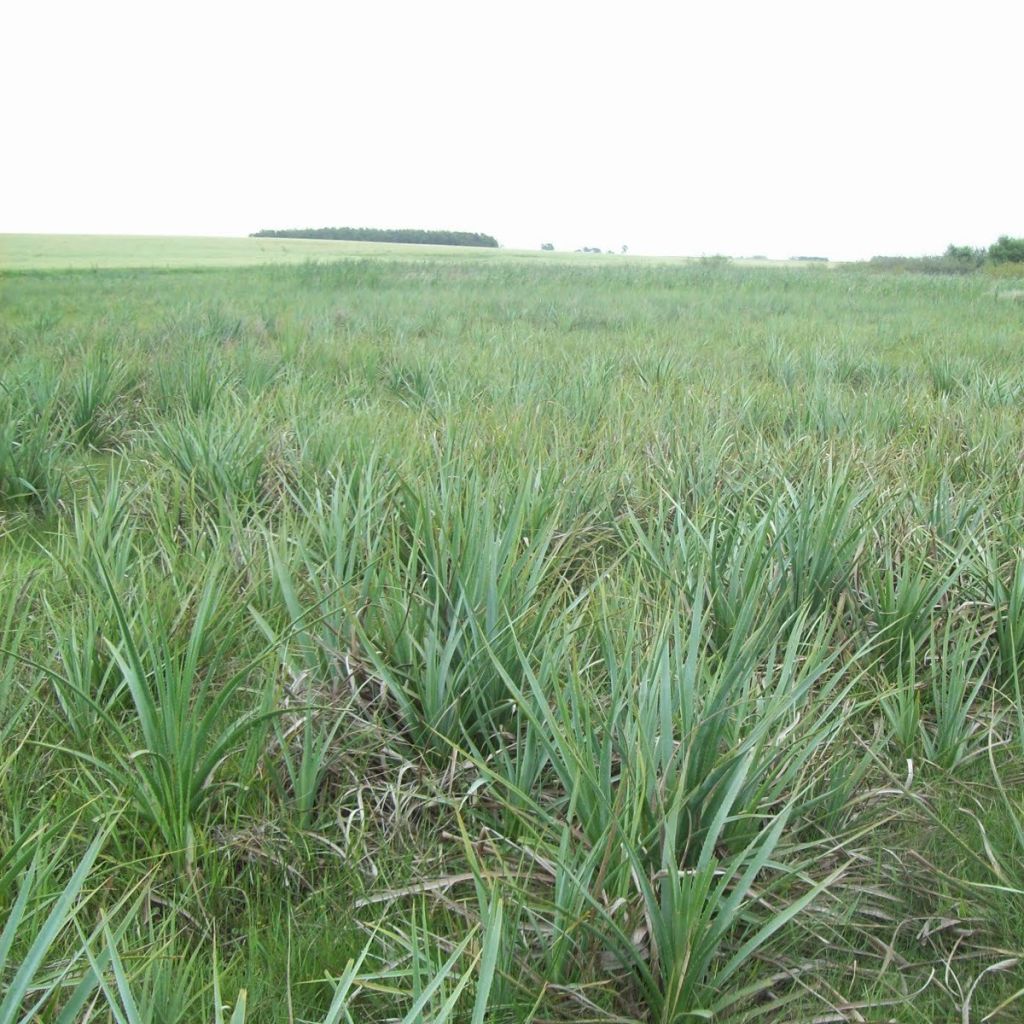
[408,235]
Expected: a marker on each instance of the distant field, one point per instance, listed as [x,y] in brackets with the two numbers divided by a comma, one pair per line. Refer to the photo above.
[71,252]
[60,252]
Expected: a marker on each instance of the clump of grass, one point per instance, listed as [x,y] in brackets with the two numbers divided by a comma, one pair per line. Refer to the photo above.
[222,461]
[96,400]
[473,584]
[34,986]
[32,470]
[185,726]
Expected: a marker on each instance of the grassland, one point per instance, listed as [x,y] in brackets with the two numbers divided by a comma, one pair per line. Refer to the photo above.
[105,252]
[65,252]
[478,640]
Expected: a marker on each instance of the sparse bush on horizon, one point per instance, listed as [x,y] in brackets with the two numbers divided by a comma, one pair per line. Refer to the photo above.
[957,259]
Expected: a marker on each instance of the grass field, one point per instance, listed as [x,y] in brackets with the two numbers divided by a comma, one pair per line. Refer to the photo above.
[87,252]
[64,252]
[485,640]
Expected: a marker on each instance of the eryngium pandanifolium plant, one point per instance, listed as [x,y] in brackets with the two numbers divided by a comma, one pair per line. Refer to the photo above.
[503,640]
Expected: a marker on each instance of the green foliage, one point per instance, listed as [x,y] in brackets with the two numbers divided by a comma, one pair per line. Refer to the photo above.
[952,262]
[406,235]
[957,259]
[1007,250]
[31,464]
[965,254]
[185,726]
[505,640]
[31,988]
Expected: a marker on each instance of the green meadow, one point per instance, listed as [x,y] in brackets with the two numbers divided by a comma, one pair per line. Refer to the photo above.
[104,252]
[62,252]
[410,638]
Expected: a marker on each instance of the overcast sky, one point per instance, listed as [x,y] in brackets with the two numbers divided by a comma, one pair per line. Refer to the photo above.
[782,128]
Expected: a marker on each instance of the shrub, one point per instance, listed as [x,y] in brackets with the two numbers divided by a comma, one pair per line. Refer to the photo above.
[965,254]
[1007,250]
[944,264]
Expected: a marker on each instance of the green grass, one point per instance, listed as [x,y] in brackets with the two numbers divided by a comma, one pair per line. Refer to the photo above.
[481,639]
[68,252]
[64,252]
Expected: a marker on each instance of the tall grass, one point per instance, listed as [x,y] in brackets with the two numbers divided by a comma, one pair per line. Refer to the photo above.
[32,470]
[185,726]
[472,641]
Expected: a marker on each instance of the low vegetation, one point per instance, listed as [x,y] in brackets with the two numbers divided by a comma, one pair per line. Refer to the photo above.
[1006,254]
[487,641]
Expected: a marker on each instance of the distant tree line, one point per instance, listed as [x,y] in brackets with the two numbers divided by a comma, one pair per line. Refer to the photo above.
[415,236]
[957,259]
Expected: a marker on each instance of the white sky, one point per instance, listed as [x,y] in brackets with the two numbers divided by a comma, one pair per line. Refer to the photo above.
[778,127]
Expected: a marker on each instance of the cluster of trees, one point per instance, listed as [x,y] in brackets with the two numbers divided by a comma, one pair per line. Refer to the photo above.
[413,235]
[1006,250]
[957,259]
